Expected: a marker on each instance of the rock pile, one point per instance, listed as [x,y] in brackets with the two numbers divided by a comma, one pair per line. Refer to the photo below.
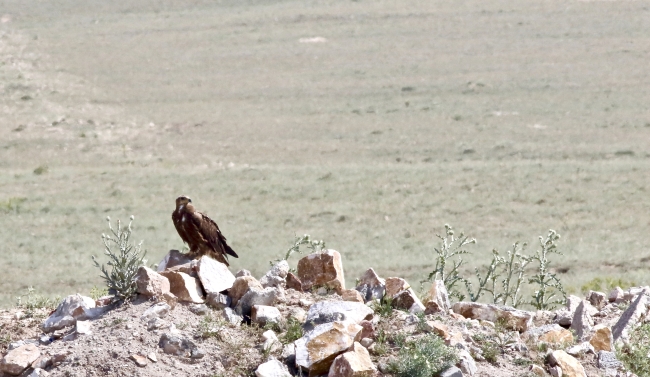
[195,318]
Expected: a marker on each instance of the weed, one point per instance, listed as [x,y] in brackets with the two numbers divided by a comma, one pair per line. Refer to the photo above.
[96,293]
[398,339]
[450,247]
[42,169]
[209,327]
[422,322]
[489,349]
[522,362]
[33,301]
[606,284]
[314,245]
[384,307]
[12,205]
[381,348]
[124,263]
[634,354]
[294,331]
[425,357]
[548,284]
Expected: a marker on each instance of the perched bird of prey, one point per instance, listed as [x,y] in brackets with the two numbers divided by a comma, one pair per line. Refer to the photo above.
[200,233]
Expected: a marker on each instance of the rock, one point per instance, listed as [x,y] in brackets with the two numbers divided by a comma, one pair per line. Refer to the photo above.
[580,349]
[537,370]
[173,258]
[218,300]
[322,270]
[184,287]
[19,359]
[241,285]
[199,309]
[272,368]
[271,341]
[467,363]
[436,299]
[555,371]
[572,303]
[43,362]
[45,340]
[553,334]
[637,309]
[563,317]
[330,311]
[318,348]
[601,338]
[408,300]
[451,372]
[616,295]
[243,272]
[608,360]
[84,327]
[582,321]
[513,319]
[368,329]
[276,276]
[437,328]
[267,296]
[186,268]
[214,276]
[158,310]
[292,282]
[69,310]
[150,283]
[297,313]
[289,353]
[366,342]
[597,299]
[354,363]
[38,372]
[170,299]
[232,317]
[262,314]
[396,285]
[176,345]
[352,295]
[152,356]
[157,323]
[139,360]
[570,366]
[20,343]
[371,286]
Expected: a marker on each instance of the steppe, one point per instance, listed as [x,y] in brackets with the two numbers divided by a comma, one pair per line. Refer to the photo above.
[369,124]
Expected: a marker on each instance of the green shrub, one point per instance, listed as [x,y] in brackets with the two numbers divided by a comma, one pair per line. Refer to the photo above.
[424,357]
[124,262]
[634,354]
[294,331]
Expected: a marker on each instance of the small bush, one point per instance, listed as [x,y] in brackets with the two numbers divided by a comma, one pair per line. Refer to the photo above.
[32,301]
[384,307]
[124,262]
[424,357]
[634,354]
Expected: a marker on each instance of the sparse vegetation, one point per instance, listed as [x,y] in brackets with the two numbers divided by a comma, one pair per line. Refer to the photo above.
[306,241]
[293,332]
[634,354]
[124,261]
[32,301]
[423,357]
[504,276]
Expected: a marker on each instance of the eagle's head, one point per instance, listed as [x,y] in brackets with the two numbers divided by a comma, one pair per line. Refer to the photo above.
[182,201]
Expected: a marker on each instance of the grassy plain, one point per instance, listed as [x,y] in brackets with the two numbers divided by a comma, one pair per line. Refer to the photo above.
[501,118]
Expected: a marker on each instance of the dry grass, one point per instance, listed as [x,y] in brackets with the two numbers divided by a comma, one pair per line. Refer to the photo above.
[501,119]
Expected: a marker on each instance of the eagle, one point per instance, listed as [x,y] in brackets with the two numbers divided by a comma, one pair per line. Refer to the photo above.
[200,232]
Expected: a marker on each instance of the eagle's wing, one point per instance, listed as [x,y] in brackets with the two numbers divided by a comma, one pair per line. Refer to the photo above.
[177,218]
[211,233]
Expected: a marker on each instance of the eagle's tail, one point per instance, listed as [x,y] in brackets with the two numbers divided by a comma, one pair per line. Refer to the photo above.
[230,251]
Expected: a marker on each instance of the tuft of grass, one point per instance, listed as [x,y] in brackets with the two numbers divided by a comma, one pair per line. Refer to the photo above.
[41,169]
[32,301]
[96,293]
[384,307]
[489,349]
[634,354]
[606,284]
[12,205]
[294,331]
[124,262]
[424,357]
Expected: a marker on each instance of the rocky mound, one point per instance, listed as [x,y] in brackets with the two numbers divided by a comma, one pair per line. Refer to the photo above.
[194,318]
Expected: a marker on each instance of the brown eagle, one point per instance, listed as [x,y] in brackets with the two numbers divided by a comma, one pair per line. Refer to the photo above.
[200,233]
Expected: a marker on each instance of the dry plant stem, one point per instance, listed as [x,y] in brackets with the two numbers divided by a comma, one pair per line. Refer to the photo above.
[549,284]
